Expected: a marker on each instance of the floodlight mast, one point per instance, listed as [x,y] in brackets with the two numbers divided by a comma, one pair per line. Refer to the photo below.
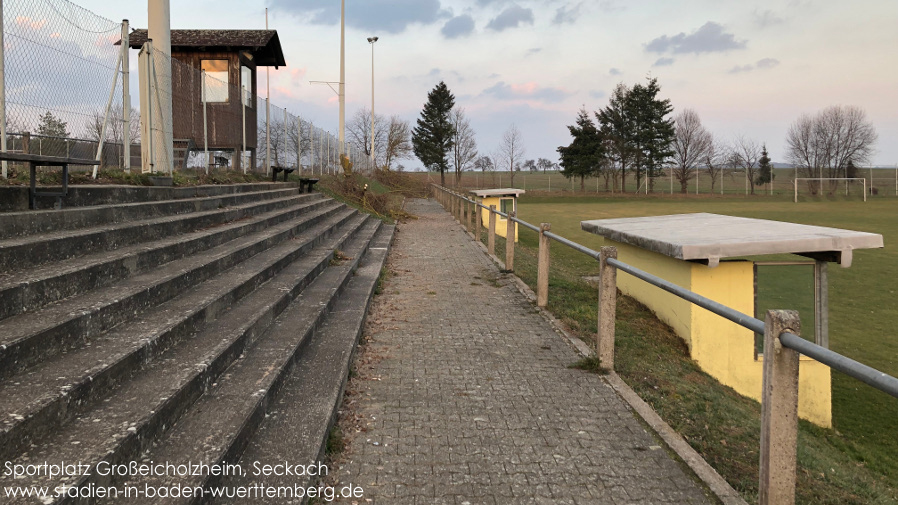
[372,40]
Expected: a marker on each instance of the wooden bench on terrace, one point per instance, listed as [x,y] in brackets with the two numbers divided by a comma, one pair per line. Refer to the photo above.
[36,160]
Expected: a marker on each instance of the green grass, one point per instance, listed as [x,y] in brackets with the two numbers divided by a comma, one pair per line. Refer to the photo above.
[857,461]
[733,183]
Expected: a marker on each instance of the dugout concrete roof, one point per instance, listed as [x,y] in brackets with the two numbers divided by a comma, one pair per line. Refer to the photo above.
[709,237]
[498,192]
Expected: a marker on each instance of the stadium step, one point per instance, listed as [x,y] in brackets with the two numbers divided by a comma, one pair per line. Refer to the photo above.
[32,336]
[24,252]
[53,388]
[218,378]
[305,353]
[301,415]
[37,286]
[14,224]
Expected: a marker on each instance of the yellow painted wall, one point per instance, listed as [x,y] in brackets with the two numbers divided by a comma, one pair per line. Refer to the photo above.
[722,348]
[501,222]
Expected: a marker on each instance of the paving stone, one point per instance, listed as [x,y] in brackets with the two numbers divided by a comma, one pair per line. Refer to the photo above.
[471,399]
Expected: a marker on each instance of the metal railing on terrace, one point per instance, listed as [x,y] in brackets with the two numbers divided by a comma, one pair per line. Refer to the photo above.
[779,404]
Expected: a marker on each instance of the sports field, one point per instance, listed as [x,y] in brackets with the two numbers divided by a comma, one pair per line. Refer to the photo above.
[731,182]
[863,315]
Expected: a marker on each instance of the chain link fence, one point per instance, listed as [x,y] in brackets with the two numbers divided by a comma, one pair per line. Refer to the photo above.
[59,63]
[64,92]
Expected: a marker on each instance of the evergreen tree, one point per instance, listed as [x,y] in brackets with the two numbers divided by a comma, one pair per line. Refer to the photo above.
[583,157]
[616,129]
[52,126]
[432,139]
[652,133]
[765,170]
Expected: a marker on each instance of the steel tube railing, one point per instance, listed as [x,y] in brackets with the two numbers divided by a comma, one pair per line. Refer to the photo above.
[733,315]
[866,374]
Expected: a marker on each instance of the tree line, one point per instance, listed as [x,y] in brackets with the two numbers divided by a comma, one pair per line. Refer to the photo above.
[636,134]
[445,141]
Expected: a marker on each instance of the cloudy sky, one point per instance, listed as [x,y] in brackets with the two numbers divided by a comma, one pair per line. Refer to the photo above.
[747,67]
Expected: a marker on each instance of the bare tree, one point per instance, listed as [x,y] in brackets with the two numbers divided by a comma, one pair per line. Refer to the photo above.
[484,163]
[746,154]
[716,157]
[399,141]
[511,151]
[824,144]
[464,150]
[690,145]
[358,132]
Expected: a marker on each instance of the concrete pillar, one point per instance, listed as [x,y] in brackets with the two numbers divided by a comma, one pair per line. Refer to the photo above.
[159,31]
[471,206]
[491,236]
[607,308]
[478,220]
[542,273]
[779,411]
[821,304]
[509,242]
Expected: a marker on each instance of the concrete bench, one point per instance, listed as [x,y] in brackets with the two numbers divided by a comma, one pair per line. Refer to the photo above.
[276,170]
[306,183]
[36,160]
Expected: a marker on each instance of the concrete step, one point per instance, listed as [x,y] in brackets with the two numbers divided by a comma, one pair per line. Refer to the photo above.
[14,224]
[15,198]
[136,415]
[22,253]
[40,285]
[299,418]
[30,337]
[222,422]
[36,403]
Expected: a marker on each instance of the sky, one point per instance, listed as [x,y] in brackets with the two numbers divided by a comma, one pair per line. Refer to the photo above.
[747,67]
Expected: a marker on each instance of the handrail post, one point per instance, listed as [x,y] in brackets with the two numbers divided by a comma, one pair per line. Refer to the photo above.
[470,206]
[542,273]
[509,241]
[607,308]
[478,221]
[779,411]
[491,235]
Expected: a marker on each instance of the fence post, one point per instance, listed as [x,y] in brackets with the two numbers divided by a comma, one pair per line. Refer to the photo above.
[509,242]
[607,308]
[779,411]
[491,235]
[471,216]
[542,273]
[478,221]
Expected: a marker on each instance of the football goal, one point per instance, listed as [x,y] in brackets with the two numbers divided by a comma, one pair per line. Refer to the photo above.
[830,185]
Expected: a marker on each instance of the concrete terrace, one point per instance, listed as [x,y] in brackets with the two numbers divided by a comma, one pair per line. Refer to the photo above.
[464,395]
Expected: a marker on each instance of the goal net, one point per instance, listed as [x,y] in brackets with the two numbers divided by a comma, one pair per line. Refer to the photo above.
[830,186]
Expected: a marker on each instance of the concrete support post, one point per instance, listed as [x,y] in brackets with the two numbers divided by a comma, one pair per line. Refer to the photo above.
[542,272]
[491,236]
[471,216]
[607,308]
[478,220]
[509,242]
[779,411]
[821,304]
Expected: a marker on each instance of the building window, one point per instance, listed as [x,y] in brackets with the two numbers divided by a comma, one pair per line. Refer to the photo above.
[246,85]
[216,86]
[507,205]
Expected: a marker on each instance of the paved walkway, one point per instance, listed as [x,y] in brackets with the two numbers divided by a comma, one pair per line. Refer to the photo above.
[464,395]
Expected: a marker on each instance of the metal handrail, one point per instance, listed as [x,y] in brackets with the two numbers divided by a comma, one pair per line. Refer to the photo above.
[864,373]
